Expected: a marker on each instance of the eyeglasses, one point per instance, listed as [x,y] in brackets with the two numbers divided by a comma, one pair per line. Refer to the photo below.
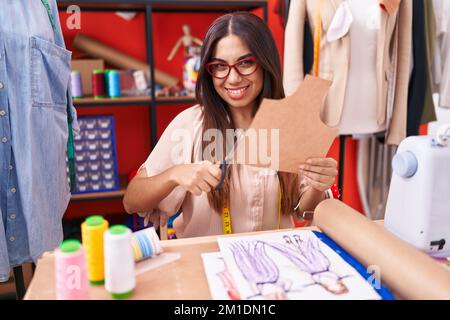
[243,67]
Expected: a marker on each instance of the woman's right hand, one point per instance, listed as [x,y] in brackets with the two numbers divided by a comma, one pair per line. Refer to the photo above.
[197,177]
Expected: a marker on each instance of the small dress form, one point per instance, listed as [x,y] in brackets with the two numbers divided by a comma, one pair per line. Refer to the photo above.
[360,102]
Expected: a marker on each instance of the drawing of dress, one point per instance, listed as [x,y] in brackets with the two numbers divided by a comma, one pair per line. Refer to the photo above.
[259,270]
[257,266]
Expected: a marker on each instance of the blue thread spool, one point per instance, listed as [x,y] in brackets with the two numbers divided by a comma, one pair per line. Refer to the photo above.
[76,86]
[113,84]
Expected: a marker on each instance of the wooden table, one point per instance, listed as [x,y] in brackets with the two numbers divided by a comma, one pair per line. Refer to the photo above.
[183,279]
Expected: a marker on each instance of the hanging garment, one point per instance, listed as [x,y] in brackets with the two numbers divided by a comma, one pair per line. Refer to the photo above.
[335,60]
[359,113]
[429,113]
[418,81]
[441,62]
[34,78]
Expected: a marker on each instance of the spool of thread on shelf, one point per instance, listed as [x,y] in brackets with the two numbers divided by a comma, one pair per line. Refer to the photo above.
[98,84]
[113,84]
[120,277]
[105,74]
[70,271]
[76,86]
[92,235]
[146,244]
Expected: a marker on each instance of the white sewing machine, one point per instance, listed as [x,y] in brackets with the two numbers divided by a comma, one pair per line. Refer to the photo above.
[418,205]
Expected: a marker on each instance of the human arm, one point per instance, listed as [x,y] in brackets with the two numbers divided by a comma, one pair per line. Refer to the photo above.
[145,193]
[319,174]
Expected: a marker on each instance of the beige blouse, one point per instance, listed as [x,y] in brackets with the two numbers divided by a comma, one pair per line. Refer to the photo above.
[254,191]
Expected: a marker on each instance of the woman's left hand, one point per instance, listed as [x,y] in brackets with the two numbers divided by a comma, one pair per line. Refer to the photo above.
[320,173]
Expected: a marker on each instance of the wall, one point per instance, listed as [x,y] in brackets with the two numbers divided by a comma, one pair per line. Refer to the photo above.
[132,122]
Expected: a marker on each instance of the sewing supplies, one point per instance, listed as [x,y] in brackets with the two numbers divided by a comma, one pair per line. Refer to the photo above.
[113,83]
[140,80]
[419,192]
[70,271]
[120,276]
[76,86]
[98,84]
[191,67]
[145,243]
[92,235]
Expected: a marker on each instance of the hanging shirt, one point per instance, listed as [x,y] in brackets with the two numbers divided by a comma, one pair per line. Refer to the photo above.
[34,78]
[441,62]
[359,114]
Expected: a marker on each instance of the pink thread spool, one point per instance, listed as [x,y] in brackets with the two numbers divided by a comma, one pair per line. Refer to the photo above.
[70,271]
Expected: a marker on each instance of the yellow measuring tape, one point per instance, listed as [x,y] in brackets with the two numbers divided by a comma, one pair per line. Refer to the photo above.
[317,37]
[226,216]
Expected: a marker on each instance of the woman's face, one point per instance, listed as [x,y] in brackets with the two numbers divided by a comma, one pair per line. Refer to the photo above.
[238,91]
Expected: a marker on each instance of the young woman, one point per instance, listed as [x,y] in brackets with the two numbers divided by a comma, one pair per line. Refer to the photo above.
[239,67]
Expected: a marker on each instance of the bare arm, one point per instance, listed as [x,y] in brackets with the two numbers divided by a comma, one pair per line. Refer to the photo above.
[139,198]
[320,174]
[310,199]
[145,193]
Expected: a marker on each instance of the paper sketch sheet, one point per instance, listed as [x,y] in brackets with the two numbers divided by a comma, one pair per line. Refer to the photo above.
[221,284]
[290,265]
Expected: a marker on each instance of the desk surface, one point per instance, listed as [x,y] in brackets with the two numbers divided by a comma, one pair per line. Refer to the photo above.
[183,279]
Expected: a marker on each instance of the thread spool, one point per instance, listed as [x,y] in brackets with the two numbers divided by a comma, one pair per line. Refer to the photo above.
[113,84]
[76,86]
[70,271]
[146,244]
[92,235]
[106,80]
[98,84]
[120,277]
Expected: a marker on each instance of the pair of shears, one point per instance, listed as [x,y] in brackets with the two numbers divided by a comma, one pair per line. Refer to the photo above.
[224,164]
[223,168]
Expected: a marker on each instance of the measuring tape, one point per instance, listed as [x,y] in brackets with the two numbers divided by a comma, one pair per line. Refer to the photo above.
[226,216]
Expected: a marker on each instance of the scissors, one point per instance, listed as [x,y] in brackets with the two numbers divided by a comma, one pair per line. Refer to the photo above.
[223,167]
[224,164]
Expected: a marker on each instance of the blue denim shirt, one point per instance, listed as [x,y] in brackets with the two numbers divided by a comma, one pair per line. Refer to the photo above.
[34,78]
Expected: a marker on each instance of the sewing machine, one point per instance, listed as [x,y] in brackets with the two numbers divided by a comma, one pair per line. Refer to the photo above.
[418,205]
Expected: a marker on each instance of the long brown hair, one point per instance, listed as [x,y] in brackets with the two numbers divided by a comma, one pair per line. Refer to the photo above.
[216,114]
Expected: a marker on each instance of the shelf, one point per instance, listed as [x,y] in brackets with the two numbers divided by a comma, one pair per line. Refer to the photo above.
[166,5]
[106,195]
[143,100]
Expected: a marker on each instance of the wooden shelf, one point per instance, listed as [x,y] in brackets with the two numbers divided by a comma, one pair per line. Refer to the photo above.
[143,100]
[106,195]
[166,5]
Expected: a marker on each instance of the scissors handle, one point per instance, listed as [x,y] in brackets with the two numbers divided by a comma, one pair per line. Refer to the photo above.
[223,168]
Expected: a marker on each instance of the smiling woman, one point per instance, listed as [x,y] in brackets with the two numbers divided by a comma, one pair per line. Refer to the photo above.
[239,67]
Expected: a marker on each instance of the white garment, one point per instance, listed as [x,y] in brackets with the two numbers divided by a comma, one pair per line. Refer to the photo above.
[361,91]
[441,61]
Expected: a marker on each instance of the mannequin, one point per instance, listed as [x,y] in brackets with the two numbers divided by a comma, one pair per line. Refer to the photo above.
[365,52]
[187,40]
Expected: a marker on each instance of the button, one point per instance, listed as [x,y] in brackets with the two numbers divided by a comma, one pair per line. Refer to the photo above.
[1,85]
[13,190]
[4,139]
[11,167]
[12,238]
[405,164]
[12,216]
[2,113]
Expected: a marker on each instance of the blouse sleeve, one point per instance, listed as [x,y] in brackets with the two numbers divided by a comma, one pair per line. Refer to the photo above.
[174,147]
